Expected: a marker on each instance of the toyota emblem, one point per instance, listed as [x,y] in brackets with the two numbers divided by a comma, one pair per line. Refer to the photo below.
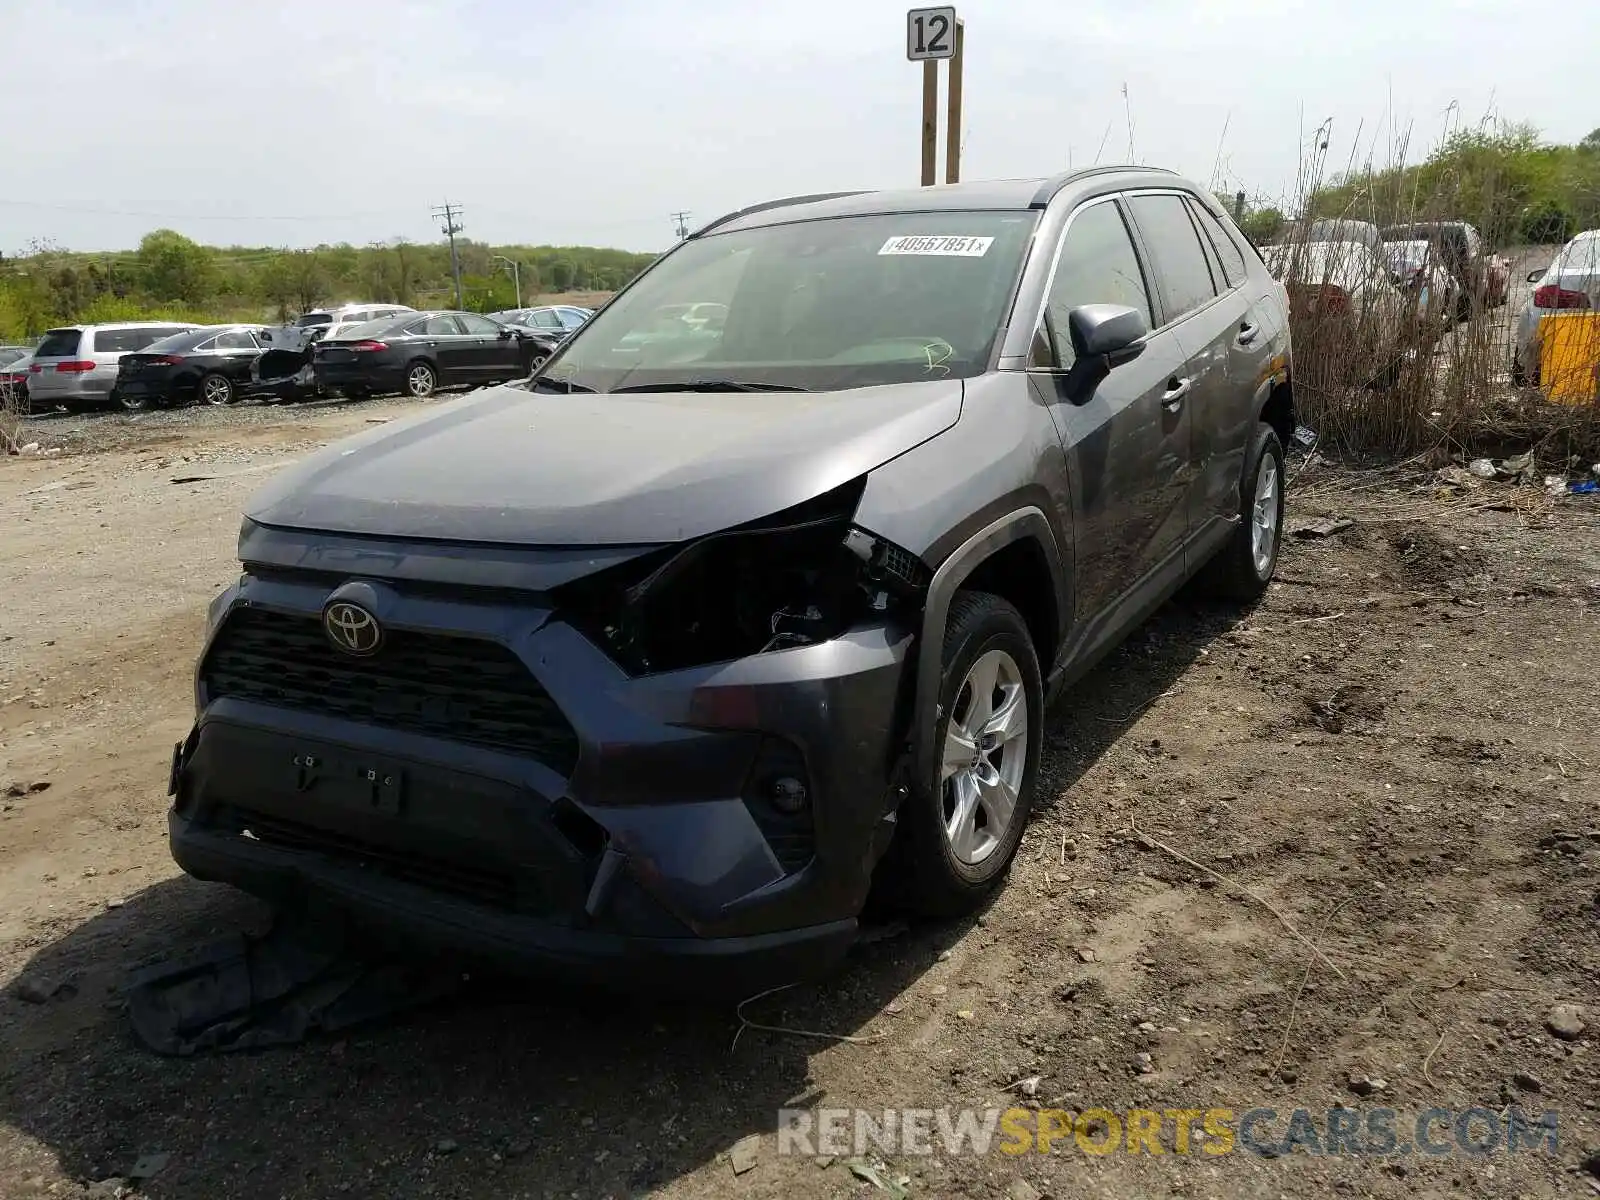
[352,628]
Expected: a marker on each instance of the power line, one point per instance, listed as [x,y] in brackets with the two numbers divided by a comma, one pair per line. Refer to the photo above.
[170,216]
[449,212]
[683,229]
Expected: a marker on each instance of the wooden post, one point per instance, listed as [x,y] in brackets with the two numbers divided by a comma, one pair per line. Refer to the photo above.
[930,120]
[952,133]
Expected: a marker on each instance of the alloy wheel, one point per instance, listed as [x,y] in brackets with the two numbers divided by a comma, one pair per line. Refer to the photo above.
[216,390]
[1264,516]
[985,755]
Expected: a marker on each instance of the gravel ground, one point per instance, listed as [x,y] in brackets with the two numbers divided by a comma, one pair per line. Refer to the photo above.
[1395,750]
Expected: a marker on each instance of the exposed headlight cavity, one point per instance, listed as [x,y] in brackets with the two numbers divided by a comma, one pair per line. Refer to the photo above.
[796,578]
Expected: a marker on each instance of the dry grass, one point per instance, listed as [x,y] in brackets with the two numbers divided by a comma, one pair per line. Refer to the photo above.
[11,413]
[1401,384]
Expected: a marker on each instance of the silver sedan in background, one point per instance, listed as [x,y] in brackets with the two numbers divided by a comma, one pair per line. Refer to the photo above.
[1571,281]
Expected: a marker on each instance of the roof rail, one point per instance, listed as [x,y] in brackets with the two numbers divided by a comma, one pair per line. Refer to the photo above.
[771,204]
[1050,187]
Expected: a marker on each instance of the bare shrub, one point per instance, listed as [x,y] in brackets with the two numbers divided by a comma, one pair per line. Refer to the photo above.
[12,409]
[1379,369]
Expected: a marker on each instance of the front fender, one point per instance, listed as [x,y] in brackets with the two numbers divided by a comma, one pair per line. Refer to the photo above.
[1029,522]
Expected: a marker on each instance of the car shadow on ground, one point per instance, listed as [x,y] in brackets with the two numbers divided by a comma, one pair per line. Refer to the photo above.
[512,1087]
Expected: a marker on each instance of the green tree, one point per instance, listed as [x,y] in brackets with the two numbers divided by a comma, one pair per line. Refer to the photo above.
[172,268]
[295,280]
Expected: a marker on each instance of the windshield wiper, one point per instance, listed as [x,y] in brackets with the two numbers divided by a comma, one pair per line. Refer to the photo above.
[709,385]
[542,383]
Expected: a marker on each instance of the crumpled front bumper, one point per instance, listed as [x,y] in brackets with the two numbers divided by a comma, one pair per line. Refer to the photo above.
[651,844]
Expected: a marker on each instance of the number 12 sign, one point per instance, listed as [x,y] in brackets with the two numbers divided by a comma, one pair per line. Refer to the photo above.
[930,33]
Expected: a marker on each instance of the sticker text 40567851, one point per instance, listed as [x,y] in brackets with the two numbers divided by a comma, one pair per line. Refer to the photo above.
[958,247]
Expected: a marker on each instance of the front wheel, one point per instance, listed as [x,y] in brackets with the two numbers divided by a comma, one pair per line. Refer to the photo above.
[1244,567]
[960,829]
[421,380]
[216,390]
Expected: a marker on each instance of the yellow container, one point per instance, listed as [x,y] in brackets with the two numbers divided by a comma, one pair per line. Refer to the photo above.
[1569,357]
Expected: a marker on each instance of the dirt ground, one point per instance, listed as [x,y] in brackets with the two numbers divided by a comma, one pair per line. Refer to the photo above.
[1396,750]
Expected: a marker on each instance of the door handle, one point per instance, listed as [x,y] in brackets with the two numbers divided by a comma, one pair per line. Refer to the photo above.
[1177,389]
[1247,333]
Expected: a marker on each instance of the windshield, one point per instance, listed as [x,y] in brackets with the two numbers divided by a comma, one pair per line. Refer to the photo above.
[368,330]
[186,340]
[1581,254]
[1407,254]
[845,302]
[1345,263]
[11,354]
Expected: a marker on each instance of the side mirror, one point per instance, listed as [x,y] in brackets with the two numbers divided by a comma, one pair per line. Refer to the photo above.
[1113,332]
[505,333]
[1535,276]
[1104,336]
[263,335]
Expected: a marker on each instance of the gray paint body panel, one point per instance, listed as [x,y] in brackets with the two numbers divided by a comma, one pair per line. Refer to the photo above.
[462,520]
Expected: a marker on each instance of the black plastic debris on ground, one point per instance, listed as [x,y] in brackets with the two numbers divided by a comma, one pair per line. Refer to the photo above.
[297,980]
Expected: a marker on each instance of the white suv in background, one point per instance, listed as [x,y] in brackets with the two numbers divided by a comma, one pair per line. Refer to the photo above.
[75,366]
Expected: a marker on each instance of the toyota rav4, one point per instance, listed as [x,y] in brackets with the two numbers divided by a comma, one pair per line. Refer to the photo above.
[666,656]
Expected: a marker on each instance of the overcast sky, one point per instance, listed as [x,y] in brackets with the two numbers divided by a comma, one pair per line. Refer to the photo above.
[294,122]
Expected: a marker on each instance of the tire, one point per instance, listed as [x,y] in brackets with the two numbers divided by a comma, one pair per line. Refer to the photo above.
[538,360]
[931,871]
[134,403]
[215,390]
[1240,570]
[421,380]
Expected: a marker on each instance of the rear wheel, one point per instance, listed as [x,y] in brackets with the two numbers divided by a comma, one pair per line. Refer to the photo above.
[136,403]
[216,390]
[960,829]
[1244,566]
[421,380]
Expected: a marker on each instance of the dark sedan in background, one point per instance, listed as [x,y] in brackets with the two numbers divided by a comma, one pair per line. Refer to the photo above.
[210,365]
[417,353]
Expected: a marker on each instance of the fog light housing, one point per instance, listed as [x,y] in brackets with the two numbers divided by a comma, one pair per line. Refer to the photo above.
[788,794]
[777,794]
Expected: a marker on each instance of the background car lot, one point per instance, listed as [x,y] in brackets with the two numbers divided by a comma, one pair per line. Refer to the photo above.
[1355,750]
[75,366]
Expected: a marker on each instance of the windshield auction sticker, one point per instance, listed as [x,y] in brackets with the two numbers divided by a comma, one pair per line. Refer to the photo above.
[957,247]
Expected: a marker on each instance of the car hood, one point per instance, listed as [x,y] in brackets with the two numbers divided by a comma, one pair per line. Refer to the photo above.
[514,467]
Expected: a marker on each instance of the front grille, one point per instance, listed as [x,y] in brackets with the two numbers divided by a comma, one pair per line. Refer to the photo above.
[460,689]
[479,884]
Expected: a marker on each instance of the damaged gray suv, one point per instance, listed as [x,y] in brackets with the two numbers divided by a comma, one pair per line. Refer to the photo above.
[666,657]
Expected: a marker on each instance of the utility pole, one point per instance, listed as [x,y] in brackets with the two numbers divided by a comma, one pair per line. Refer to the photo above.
[683,229]
[448,213]
[516,274]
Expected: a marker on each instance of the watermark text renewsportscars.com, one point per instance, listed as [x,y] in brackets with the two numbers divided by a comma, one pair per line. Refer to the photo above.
[1266,1132]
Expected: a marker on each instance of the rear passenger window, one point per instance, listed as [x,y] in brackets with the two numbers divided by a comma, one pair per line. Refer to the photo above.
[435,326]
[1227,249]
[1181,272]
[1097,266]
[236,339]
[125,341]
[59,343]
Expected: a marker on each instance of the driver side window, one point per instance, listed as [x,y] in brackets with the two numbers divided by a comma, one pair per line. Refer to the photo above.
[1097,266]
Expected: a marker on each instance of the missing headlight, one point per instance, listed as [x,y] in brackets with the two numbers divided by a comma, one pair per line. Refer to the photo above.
[795,579]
